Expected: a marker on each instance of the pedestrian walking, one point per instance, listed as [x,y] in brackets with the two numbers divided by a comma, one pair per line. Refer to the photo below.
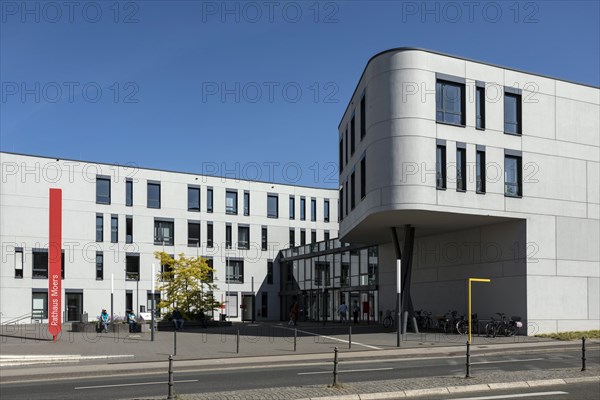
[343,309]
[355,311]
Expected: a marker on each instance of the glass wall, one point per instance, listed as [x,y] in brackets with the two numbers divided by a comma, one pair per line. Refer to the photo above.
[320,276]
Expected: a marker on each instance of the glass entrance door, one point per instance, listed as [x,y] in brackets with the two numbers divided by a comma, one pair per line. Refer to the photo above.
[74,304]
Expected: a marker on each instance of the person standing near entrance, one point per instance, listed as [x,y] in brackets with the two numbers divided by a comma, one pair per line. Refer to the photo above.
[294,314]
[343,310]
[355,311]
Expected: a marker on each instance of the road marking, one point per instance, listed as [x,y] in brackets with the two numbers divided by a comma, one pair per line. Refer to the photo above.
[512,396]
[368,346]
[347,370]
[134,384]
[507,361]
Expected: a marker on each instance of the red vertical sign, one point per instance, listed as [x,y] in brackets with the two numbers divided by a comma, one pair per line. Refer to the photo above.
[54,263]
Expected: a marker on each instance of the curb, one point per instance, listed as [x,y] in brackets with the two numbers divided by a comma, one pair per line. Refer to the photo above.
[458,389]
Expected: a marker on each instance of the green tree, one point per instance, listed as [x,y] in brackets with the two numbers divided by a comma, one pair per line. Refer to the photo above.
[186,283]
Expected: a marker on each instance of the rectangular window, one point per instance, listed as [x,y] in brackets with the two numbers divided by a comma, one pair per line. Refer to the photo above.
[235,271]
[193,198]
[512,113]
[164,232]
[246,203]
[209,235]
[272,206]
[153,195]
[264,305]
[461,169]
[194,233]
[129,192]
[326,210]
[269,273]
[480,107]
[352,136]
[302,208]
[99,266]
[313,237]
[264,238]
[341,158]
[313,209]
[302,237]
[513,185]
[363,178]
[292,207]
[440,167]
[480,171]
[352,190]
[132,267]
[129,229]
[231,302]
[363,117]
[102,189]
[292,237]
[40,264]
[114,228]
[210,276]
[326,238]
[228,236]
[243,237]
[166,269]
[341,204]
[99,228]
[19,259]
[346,146]
[209,200]
[346,199]
[39,304]
[231,201]
[450,102]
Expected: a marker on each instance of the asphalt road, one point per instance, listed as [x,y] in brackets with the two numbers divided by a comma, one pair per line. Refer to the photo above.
[292,374]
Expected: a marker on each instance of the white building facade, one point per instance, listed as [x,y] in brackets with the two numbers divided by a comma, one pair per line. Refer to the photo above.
[497,172]
[116,217]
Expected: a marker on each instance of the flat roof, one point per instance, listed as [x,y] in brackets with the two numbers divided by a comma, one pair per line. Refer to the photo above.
[439,53]
[170,171]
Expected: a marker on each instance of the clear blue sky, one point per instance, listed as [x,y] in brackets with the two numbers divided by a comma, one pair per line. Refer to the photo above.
[142,82]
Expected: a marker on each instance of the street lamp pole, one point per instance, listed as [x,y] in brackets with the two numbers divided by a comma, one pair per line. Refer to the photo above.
[152,305]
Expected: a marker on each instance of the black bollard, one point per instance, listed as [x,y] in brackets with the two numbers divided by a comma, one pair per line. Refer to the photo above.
[335,366]
[237,342]
[295,337]
[583,353]
[468,360]
[170,392]
[350,337]
[175,342]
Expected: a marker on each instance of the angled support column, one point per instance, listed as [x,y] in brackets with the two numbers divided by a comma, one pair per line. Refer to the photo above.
[406,270]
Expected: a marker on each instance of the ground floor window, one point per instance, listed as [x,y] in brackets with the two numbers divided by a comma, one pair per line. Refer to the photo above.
[39,305]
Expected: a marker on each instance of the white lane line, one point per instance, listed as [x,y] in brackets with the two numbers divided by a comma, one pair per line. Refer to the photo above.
[368,346]
[512,396]
[133,384]
[347,370]
[507,361]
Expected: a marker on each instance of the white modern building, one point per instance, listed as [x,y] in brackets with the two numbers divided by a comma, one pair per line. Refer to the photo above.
[464,169]
[115,217]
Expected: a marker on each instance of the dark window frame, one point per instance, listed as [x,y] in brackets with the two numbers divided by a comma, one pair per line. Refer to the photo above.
[302,208]
[151,202]
[246,203]
[264,238]
[461,169]
[99,266]
[99,228]
[129,229]
[363,117]
[231,275]
[210,238]
[363,177]
[326,210]
[518,124]
[292,207]
[228,236]
[209,200]
[444,114]
[243,229]
[233,210]
[440,168]
[193,227]
[519,172]
[129,192]
[130,273]
[270,212]
[193,205]
[480,171]
[313,209]
[480,107]
[352,135]
[352,190]
[114,228]
[159,238]
[102,198]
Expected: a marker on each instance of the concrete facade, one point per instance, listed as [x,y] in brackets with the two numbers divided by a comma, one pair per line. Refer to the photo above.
[26,181]
[540,248]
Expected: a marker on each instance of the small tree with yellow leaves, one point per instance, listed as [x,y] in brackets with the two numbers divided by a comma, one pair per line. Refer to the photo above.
[186,283]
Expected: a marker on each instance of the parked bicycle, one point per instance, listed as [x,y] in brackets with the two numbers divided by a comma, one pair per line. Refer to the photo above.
[424,320]
[462,326]
[447,322]
[388,321]
[503,326]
